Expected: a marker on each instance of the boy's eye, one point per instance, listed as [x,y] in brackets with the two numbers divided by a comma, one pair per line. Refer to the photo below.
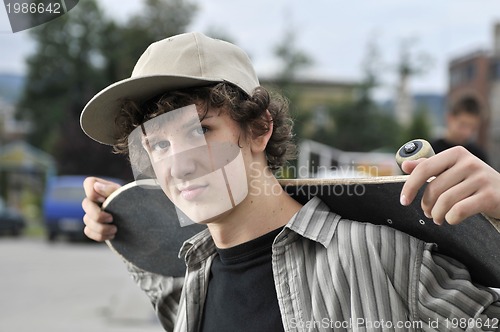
[161,145]
[200,131]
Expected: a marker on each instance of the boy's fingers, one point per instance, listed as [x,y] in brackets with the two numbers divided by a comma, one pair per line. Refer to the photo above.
[98,224]
[440,206]
[96,236]
[409,165]
[415,181]
[94,212]
[105,188]
[97,189]
[424,170]
[99,227]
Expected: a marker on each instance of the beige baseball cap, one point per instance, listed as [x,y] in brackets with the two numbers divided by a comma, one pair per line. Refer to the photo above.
[182,61]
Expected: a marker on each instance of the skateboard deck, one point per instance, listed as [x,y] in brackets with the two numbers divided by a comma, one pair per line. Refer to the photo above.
[150,236]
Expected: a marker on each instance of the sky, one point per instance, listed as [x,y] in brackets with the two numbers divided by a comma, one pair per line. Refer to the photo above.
[335,34]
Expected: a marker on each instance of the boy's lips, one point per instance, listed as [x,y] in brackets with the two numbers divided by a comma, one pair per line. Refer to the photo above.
[190,193]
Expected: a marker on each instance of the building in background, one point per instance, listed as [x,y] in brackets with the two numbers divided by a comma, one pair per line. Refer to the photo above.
[477,74]
[312,98]
[316,94]
[24,169]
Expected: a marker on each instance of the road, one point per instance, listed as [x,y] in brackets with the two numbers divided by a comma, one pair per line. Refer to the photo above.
[68,287]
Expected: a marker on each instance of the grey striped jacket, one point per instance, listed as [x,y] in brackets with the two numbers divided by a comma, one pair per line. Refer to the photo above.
[336,274]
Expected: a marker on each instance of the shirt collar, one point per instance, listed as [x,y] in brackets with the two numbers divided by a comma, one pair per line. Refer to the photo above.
[197,248]
[315,221]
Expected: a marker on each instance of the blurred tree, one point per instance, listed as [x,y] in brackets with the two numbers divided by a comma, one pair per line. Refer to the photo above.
[163,18]
[125,43]
[361,125]
[409,64]
[420,126]
[220,32]
[77,55]
[292,60]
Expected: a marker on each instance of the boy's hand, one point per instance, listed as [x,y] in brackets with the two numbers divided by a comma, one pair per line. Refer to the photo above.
[98,225]
[464,186]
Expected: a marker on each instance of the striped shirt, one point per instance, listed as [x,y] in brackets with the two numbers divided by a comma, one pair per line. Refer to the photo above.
[336,274]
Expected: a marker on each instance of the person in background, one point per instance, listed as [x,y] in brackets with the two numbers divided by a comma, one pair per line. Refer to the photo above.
[462,124]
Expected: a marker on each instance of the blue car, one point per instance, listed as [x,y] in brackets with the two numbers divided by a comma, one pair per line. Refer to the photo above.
[62,207]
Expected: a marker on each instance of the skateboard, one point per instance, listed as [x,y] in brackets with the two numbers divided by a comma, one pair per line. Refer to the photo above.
[149,233]
[150,236]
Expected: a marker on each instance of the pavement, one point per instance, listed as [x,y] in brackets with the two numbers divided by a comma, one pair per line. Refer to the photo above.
[68,287]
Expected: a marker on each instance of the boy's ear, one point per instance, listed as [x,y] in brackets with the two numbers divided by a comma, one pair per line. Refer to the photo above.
[259,143]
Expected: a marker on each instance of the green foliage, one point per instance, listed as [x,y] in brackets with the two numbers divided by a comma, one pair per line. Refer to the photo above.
[420,127]
[125,43]
[293,60]
[77,55]
[359,126]
[362,126]
[163,18]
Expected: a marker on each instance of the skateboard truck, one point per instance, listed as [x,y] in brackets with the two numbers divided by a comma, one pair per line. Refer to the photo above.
[413,150]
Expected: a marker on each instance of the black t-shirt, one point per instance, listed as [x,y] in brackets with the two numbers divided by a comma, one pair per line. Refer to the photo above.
[241,294]
[442,144]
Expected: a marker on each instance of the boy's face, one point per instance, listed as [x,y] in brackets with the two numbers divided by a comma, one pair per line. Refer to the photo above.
[462,127]
[197,162]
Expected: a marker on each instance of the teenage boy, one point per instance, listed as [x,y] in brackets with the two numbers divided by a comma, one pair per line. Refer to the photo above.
[266,263]
[463,121]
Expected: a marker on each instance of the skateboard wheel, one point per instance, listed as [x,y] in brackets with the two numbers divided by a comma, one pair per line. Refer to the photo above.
[413,150]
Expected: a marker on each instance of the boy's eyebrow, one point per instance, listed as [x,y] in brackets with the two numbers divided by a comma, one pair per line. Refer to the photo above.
[190,123]
[144,137]
[195,121]
[152,134]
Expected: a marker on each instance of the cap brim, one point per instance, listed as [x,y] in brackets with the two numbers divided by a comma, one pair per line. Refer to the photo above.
[98,116]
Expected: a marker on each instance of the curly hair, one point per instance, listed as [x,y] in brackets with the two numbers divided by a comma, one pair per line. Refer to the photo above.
[248,111]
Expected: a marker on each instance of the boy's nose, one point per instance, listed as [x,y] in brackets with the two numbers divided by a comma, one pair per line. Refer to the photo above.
[182,164]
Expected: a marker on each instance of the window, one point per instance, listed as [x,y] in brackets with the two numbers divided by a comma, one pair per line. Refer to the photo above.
[470,72]
[463,74]
[495,70]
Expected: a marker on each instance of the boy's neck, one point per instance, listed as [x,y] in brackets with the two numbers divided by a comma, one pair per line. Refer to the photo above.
[256,215]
